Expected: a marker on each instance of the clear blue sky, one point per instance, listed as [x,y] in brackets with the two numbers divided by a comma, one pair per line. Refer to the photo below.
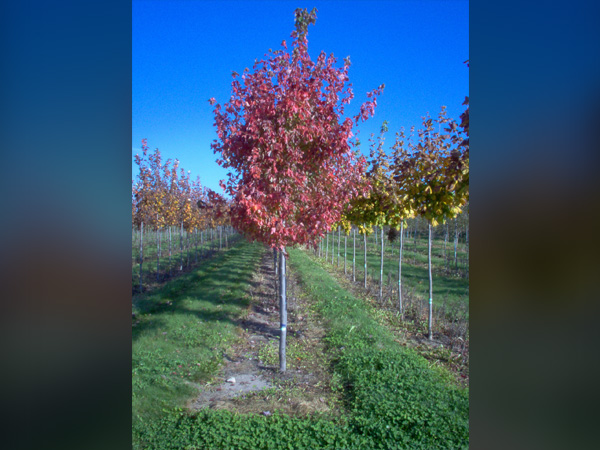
[183,53]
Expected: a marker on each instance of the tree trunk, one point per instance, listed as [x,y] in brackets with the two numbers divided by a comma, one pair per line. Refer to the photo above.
[445,247]
[187,247]
[275,260]
[333,247]
[353,254]
[158,256]
[196,245]
[415,239]
[141,253]
[282,311]
[181,247]
[339,241]
[400,271]
[430,288]
[381,269]
[365,235]
[455,244]
[326,246]
[345,251]
[170,251]
[201,243]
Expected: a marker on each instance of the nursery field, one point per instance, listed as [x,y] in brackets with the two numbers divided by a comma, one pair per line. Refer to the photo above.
[205,364]
[256,323]
[450,286]
[162,254]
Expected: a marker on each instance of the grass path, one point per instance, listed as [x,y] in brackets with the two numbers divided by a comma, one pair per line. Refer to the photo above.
[181,330]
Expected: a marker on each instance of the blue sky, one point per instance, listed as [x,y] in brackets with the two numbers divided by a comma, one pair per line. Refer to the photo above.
[183,53]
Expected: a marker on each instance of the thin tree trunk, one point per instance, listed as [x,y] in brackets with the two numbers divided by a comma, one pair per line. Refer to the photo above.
[339,240]
[353,254]
[333,247]
[141,254]
[445,247]
[158,257]
[400,271]
[345,251]
[365,235]
[381,269]
[170,251]
[326,246]
[455,244]
[275,260]
[187,248]
[181,247]
[430,288]
[416,227]
[282,311]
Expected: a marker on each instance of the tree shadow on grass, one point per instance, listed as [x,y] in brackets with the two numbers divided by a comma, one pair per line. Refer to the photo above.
[222,284]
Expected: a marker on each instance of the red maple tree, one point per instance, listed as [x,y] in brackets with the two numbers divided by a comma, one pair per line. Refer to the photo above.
[293,165]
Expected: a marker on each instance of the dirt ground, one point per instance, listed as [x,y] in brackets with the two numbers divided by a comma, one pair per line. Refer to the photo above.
[306,387]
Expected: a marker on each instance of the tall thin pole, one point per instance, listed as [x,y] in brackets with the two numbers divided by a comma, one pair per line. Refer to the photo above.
[338,253]
[353,254]
[430,287]
[181,247]
[345,251]
[170,249]
[158,253]
[141,253]
[400,271]
[381,268]
[282,311]
[333,247]
[365,236]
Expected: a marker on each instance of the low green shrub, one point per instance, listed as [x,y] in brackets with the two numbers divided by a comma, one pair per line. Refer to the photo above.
[213,429]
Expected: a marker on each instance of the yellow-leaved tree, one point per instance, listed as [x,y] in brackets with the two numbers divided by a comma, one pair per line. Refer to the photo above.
[435,172]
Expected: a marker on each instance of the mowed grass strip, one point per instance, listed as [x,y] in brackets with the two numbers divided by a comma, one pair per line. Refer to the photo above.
[395,399]
[181,330]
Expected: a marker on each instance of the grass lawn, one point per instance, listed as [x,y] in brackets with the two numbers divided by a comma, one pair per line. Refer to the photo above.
[181,330]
